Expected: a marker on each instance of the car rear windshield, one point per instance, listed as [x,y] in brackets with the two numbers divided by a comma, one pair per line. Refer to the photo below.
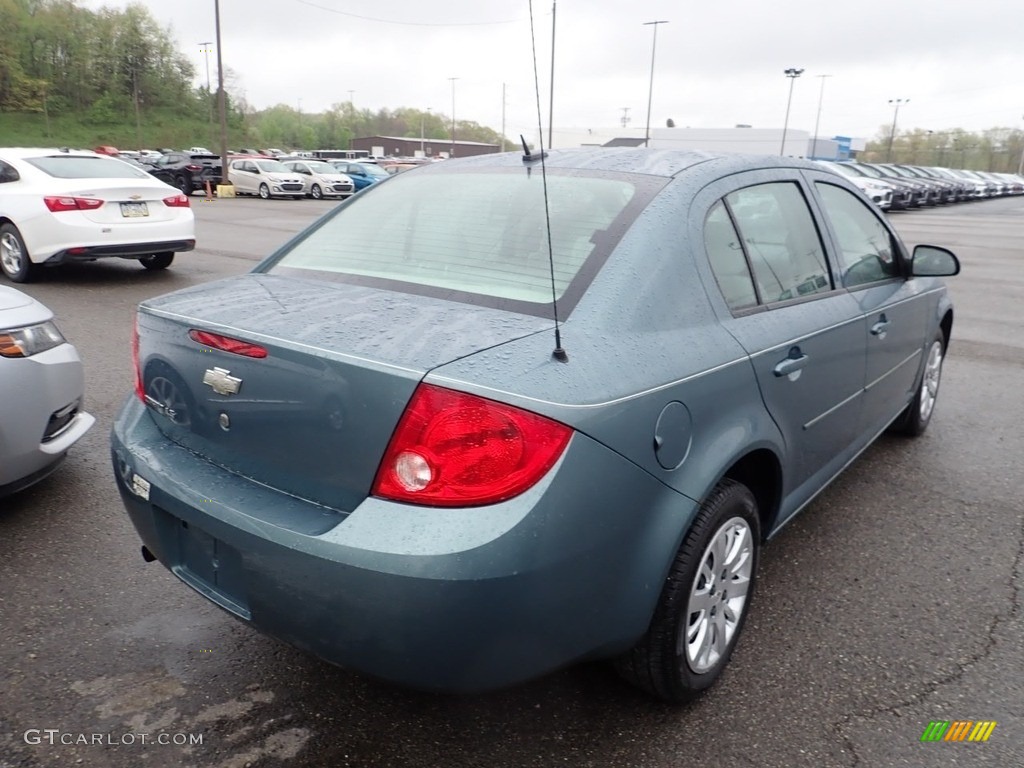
[86,167]
[478,236]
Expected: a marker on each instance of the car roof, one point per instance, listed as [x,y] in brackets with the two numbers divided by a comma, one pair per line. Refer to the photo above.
[655,162]
[24,152]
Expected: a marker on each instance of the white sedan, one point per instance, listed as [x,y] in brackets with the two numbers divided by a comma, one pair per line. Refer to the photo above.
[41,379]
[60,205]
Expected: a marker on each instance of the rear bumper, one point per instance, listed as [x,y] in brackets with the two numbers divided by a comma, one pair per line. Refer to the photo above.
[123,251]
[456,600]
[53,239]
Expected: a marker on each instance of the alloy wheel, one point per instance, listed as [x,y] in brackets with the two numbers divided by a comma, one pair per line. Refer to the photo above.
[930,380]
[718,596]
[10,253]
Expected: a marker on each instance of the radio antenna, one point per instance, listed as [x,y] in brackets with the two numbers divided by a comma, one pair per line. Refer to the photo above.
[558,353]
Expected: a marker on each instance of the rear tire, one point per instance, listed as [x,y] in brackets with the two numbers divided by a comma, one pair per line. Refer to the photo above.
[704,602]
[181,182]
[157,260]
[14,257]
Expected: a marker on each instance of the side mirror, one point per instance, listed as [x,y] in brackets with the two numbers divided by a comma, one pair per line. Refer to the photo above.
[932,261]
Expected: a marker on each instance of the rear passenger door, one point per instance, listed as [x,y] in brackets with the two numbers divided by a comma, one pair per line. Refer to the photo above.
[803,332]
[243,176]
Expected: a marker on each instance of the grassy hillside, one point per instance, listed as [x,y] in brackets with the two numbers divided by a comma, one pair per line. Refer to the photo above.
[159,129]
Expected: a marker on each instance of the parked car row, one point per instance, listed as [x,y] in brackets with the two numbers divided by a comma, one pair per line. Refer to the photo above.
[199,169]
[265,177]
[900,186]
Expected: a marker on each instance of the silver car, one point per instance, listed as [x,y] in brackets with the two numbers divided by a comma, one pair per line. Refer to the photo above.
[264,177]
[321,179]
[42,382]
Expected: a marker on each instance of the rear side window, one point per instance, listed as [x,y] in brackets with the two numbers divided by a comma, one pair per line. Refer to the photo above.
[8,173]
[727,259]
[866,247]
[781,241]
[473,236]
[85,167]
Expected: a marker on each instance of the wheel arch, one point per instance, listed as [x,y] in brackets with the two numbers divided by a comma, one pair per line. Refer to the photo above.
[761,472]
[946,325]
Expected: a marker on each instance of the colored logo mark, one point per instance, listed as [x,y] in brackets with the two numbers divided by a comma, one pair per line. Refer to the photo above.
[958,730]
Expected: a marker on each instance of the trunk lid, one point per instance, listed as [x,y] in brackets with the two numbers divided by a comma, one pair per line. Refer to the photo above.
[314,416]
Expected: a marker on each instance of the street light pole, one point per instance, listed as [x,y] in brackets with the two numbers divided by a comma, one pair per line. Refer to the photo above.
[551,96]
[453,79]
[1020,165]
[205,48]
[892,133]
[792,73]
[423,150]
[650,88]
[817,120]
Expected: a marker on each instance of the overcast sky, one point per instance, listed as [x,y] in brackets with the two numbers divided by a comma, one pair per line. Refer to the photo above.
[718,63]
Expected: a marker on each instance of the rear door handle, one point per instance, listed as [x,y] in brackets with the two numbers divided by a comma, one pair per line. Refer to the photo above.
[879,329]
[794,362]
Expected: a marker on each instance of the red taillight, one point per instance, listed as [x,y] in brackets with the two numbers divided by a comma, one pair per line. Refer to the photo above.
[452,449]
[193,167]
[227,344]
[140,391]
[176,201]
[62,203]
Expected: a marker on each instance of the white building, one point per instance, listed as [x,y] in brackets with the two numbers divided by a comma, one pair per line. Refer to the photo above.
[756,141]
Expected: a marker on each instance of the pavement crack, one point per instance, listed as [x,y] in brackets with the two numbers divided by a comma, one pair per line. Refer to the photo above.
[1015,578]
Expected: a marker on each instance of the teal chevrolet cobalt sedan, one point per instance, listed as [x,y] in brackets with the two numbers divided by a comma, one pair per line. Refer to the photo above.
[457,441]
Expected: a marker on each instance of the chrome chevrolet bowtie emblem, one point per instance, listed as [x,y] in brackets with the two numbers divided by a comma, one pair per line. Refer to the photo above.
[221,381]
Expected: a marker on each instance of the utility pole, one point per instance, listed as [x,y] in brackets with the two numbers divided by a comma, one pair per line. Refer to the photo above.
[205,48]
[1020,165]
[138,116]
[625,116]
[423,150]
[222,104]
[892,133]
[453,79]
